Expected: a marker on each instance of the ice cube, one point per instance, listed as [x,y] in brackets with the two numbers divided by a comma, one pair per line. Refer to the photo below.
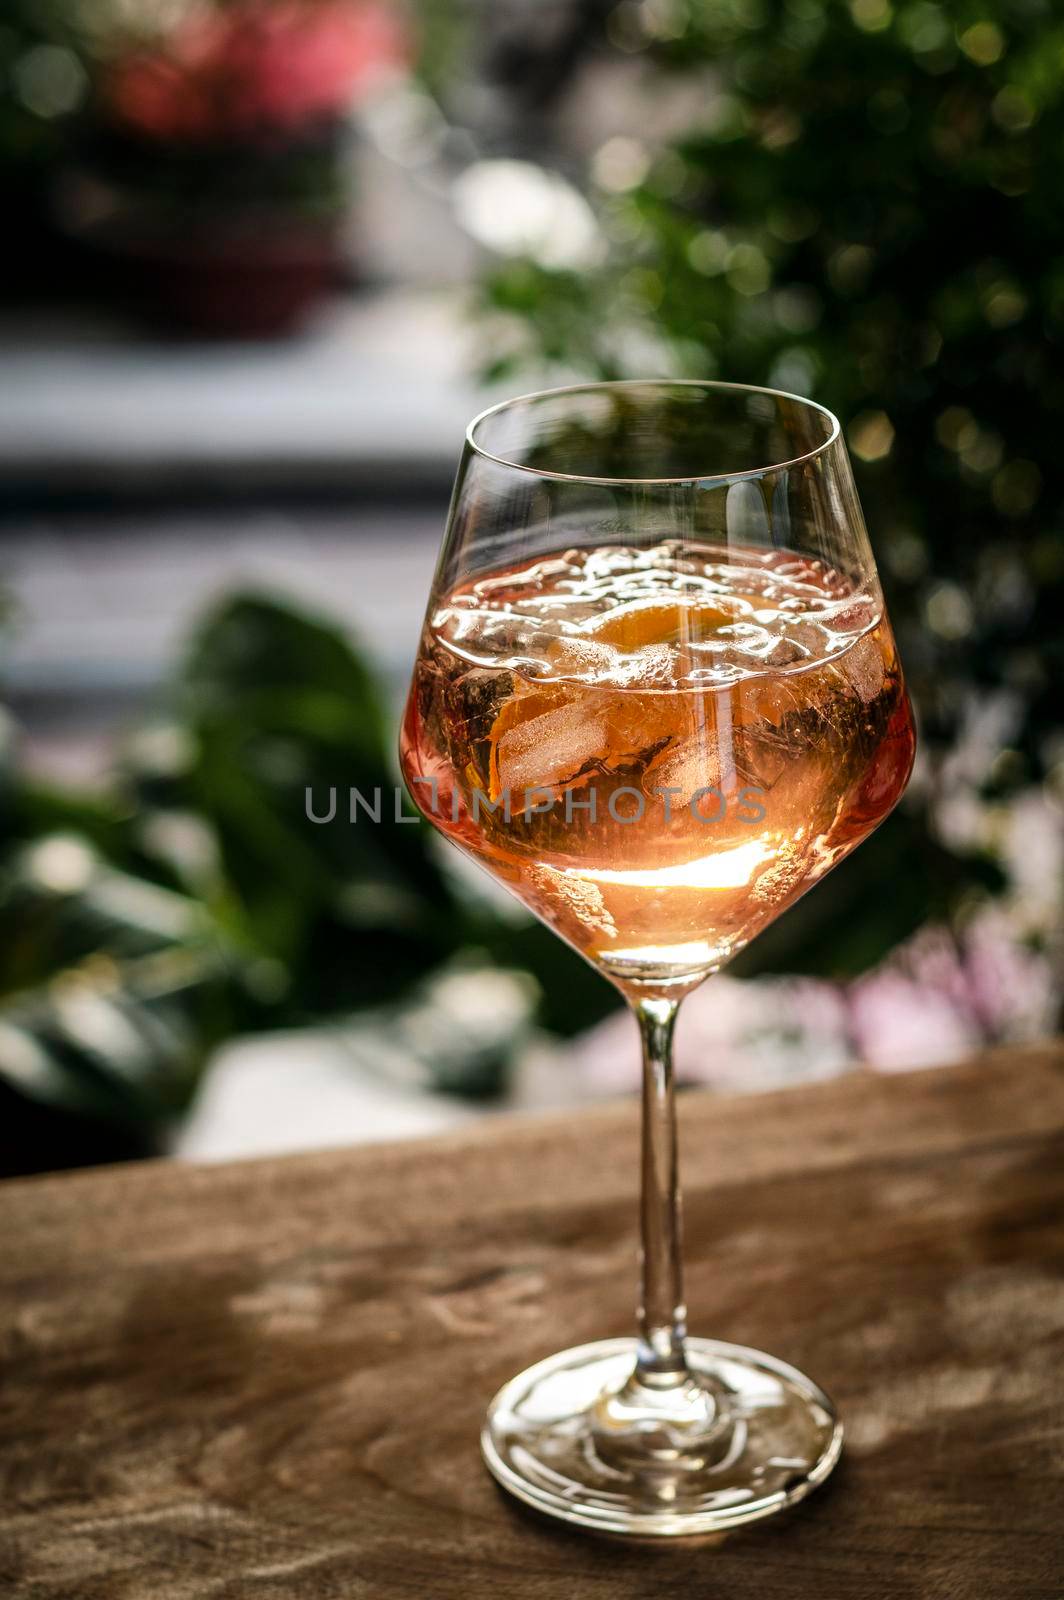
[579,657]
[689,766]
[783,653]
[547,740]
[862,668]
[767,702]
[551,735]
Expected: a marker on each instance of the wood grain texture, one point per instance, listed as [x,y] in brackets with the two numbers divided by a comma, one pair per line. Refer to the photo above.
[266,1380]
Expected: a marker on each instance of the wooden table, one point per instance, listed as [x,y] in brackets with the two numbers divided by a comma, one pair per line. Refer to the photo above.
[266,1380]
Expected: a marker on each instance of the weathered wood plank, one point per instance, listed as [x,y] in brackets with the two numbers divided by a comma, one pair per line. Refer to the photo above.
[267,1379]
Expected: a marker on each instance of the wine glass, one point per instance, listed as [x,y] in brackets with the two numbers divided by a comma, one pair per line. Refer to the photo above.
[657,696]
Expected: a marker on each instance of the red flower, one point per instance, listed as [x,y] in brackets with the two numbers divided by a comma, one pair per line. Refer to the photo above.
[255,68]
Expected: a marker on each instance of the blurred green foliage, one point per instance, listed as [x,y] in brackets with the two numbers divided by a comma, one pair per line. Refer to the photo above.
[866,210]
[193,900]
[42,81]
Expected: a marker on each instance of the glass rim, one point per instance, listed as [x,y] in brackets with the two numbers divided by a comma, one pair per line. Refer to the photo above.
[709,479]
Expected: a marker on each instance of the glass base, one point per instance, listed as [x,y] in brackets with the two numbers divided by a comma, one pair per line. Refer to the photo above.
[577,1437]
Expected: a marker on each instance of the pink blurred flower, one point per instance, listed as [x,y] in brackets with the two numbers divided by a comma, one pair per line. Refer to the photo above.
[933,1000]
[938,998]
[1013,987]
[740,1036]
[899,1023]
[254,69]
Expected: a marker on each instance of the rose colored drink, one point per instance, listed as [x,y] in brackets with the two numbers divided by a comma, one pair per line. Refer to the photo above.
[658,749]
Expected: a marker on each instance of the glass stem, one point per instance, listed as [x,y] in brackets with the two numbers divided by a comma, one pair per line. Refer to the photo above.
[662,1312]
